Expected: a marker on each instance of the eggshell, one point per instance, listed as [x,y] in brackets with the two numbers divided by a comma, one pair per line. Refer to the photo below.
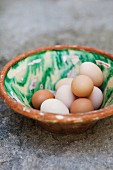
[93,71]
[81,105]
[53,91]
[40,96]
[96,97]
[54,106]
[82,86]
[65,95]
[63,81]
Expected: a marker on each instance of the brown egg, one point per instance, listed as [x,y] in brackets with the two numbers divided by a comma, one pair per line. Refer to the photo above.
[81,105]
[82,86]
[40,96]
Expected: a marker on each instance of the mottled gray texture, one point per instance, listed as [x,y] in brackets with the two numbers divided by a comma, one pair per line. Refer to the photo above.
[29,24]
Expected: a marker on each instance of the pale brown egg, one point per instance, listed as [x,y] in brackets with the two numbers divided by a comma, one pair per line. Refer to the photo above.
[96,97]
[65,95]
[64,81]
[82,86]
[93,71]
[81,105]
[40,96]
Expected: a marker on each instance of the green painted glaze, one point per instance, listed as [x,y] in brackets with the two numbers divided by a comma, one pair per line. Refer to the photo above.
[43,70]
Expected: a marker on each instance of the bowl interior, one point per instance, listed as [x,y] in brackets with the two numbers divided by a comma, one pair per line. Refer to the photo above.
[44,69]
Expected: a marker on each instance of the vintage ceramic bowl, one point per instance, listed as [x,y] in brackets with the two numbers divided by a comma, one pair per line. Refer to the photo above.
[41,69]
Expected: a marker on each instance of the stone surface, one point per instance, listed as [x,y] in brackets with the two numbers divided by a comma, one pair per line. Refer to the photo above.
[25,25]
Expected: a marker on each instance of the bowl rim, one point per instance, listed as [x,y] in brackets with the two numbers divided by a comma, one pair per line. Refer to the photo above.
[51,117]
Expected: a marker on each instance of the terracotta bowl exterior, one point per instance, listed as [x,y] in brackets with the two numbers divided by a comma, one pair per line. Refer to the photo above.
[57,123]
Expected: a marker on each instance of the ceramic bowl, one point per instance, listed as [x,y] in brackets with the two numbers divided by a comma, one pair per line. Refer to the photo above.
[41,69]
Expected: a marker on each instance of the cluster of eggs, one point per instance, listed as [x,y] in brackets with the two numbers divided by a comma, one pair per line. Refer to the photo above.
[73,95]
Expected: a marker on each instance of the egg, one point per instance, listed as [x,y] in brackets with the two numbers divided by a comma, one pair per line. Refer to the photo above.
[65,95]
[53,91]
[54,106]
[40,96]
[93,71]
[63,82]
[96,97]
[82,86]
[81,105]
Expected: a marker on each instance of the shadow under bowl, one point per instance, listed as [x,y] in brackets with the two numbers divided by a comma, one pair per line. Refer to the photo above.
[42,69]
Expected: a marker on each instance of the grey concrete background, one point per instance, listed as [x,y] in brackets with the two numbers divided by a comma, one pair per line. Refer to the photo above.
[29,24]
